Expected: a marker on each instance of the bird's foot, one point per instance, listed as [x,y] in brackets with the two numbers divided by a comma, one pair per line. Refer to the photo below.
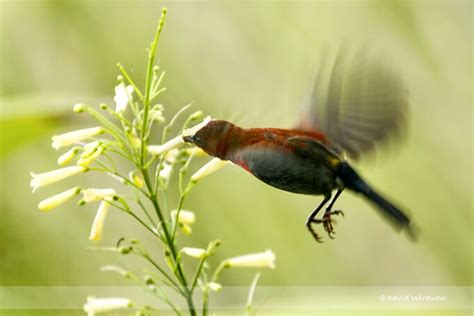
[327,222]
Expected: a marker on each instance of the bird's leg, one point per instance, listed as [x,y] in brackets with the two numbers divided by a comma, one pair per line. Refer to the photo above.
[327,221]
[311,218]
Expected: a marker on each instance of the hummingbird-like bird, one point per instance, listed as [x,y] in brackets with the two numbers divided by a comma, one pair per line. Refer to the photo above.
[360,105]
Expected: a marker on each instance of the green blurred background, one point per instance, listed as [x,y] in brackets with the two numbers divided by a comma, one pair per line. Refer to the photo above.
[251,63]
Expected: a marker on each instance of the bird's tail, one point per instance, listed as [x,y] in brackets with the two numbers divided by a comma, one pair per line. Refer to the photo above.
[355,183]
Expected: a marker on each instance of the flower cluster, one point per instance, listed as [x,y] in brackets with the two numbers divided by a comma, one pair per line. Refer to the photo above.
[124,132]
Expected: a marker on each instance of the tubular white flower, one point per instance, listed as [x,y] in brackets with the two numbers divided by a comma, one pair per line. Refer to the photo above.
[123,95]
[98,224]
[159,149]
[212,166]
[256,260]
[86,161]
[215,287]
[91,195]
[65,158]
[58,199]
[198,253]
[74,137]
[101,305]
[185,217]
[43,179]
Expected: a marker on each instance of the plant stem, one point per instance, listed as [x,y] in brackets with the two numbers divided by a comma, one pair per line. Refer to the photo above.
[170,243]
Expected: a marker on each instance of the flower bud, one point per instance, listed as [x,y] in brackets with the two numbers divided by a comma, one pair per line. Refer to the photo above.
[79,108]
[194,252]
[136,179]
[256,260]
[215,287]
[65,158]
[58,199]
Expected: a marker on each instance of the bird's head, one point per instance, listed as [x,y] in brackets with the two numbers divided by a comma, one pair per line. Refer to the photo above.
[210,136]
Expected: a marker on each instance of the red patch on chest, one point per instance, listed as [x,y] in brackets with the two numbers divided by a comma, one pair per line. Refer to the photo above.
[244,165]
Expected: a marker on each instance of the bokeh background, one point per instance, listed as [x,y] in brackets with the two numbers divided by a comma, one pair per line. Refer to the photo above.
[252,63]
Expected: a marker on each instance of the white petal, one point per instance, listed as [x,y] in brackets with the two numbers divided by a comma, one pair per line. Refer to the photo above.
[159,149]
[98,224]
[43,179]
[212,166]
[185,217]
[58,199]
[100,305]
[73,137]
[91,195]
[256,260]
[194,252]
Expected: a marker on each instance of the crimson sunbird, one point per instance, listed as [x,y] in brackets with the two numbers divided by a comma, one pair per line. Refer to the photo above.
[360,105]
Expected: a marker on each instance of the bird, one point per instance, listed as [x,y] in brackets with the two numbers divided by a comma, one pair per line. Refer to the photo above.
[361,103]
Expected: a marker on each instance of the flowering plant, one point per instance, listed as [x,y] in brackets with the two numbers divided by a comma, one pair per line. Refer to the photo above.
[124,133]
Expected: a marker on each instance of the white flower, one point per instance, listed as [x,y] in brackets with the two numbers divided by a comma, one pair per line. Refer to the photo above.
[100,305]
[159,149]
[58,199]
[198,253]
[91,195]
[123,95]
[73,137]
[185,217]
[256,260]
[215,287]
[43,179]
[65,158]
[212,166]
[98,224]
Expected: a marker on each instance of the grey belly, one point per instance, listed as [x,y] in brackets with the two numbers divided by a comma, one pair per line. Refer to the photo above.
[289,172]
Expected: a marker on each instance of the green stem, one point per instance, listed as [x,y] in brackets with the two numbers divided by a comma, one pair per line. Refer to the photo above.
[198,273]
[170,243]
[148,81]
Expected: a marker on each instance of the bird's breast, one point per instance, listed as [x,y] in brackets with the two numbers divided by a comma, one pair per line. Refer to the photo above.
[283,169]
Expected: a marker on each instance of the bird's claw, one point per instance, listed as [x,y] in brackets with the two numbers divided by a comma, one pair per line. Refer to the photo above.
[327,222]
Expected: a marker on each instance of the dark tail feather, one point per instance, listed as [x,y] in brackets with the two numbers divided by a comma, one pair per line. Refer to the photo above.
[355,183]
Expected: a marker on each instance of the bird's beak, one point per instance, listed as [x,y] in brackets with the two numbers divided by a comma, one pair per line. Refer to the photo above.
[188,139]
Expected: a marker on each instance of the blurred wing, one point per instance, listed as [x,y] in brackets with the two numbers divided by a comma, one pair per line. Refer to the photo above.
[364,103]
